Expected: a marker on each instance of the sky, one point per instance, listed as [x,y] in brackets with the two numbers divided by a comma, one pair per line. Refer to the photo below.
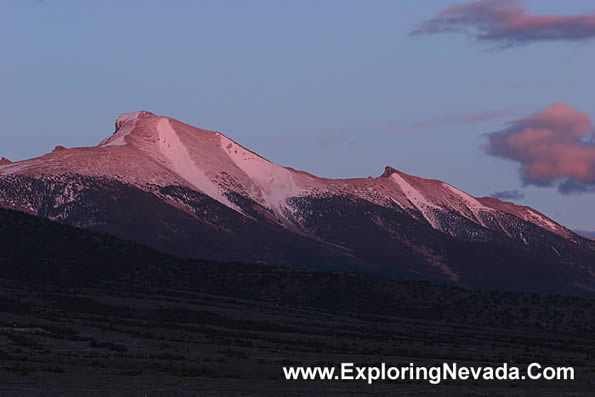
[462,93]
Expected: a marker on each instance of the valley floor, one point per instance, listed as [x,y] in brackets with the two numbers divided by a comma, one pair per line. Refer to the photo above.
[88,342]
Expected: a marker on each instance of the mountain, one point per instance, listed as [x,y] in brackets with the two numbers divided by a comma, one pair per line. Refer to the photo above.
[93,315]
[197,193]
[38,250]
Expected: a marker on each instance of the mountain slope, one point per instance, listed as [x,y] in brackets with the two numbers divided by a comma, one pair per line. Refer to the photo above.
[197,193]
[88,315]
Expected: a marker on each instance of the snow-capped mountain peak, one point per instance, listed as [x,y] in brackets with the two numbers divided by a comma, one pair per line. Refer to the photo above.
[125,124]
[199,193]
[147,150]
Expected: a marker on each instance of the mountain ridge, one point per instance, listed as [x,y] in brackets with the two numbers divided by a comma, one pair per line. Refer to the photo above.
[170,148]
[223,201]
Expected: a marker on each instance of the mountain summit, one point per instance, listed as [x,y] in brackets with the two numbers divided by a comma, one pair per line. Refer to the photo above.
[195,192]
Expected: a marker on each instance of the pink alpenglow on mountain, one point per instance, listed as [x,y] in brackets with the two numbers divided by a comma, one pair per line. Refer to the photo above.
[195,192]
[150,149]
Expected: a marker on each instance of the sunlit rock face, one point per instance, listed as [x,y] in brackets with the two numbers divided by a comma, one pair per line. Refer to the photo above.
[197,193]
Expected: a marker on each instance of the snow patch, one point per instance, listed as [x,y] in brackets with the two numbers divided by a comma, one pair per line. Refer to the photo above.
[181,163]
[125,125]
[539,219]
[19,166]
[396,202]
[417,199]
[275,183]
[470,202]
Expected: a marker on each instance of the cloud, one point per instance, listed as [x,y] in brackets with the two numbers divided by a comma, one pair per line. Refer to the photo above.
[571,186]
[553,146]
[508,195]
[506,22]
[461,119]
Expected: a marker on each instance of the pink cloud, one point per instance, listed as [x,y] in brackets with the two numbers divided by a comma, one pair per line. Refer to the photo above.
[553,145]
[505,21]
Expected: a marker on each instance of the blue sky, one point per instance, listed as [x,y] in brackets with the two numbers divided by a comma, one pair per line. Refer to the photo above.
[337,88]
